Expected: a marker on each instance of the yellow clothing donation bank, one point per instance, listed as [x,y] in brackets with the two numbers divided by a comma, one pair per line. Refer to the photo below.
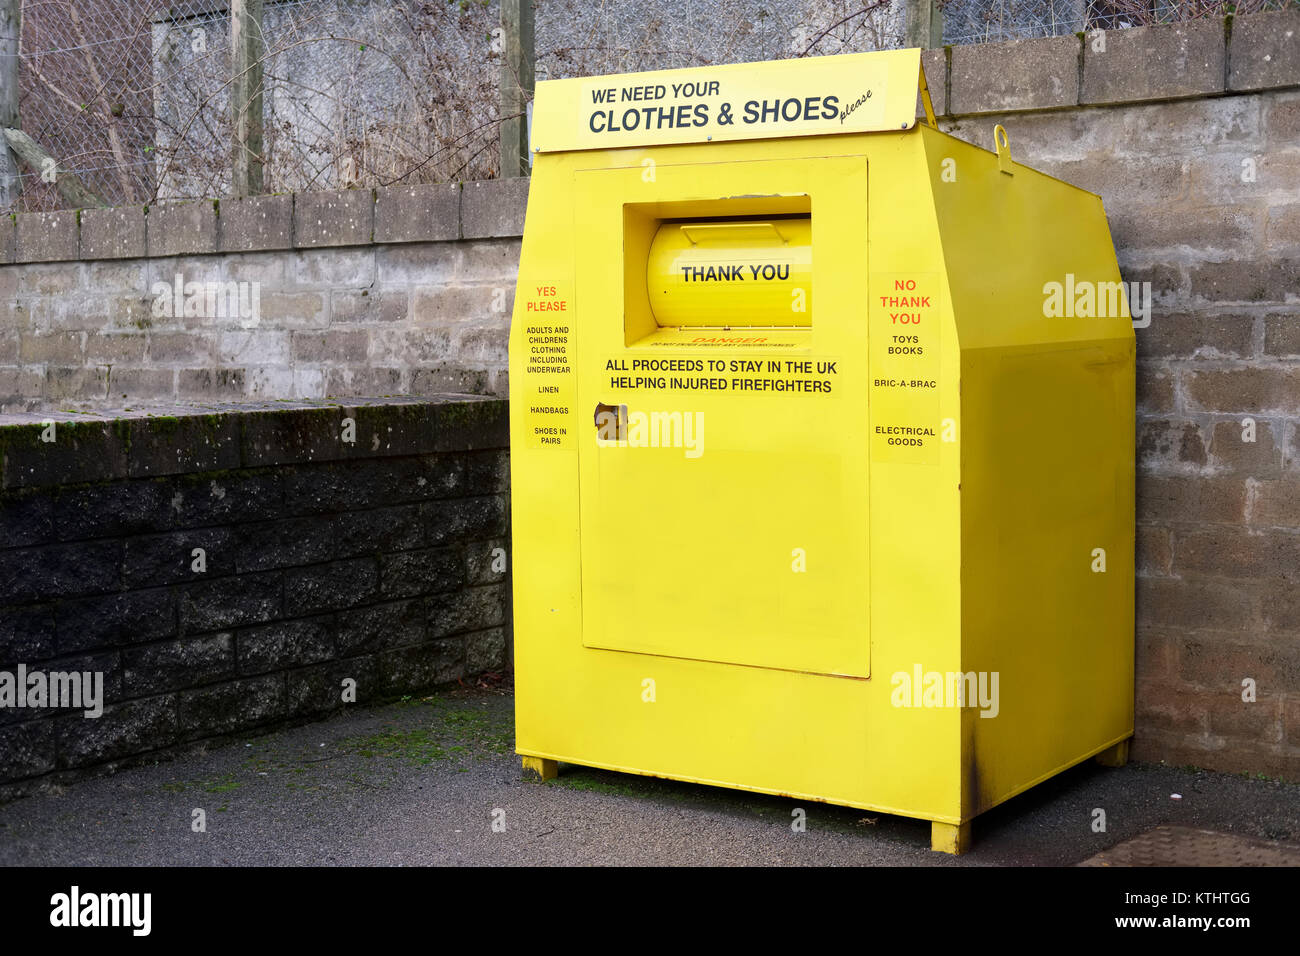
[821,442]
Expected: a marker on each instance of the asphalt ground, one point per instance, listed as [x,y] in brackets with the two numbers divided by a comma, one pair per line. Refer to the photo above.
[422,782]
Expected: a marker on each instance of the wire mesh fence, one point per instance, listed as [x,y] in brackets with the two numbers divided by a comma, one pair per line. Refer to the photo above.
[133,96]
[84,96]
[987,21]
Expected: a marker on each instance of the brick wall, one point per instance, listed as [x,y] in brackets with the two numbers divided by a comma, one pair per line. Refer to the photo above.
[323,560]
[1191,135]
[360,293]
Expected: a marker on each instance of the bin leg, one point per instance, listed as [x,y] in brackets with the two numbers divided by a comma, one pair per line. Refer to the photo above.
[546,769]
[951,838]
[1116,756]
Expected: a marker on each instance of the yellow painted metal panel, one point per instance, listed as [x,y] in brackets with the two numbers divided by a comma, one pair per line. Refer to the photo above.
[760,432]
[850,93]
[796,543]
[1047,489]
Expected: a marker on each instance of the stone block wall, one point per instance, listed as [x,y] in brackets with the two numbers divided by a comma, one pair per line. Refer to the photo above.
[356,293]
[225,569]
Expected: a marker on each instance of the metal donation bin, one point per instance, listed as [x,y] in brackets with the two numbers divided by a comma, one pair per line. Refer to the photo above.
[822,466]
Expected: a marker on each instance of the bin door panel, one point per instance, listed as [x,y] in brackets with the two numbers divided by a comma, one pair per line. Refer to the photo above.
[745,555]
[729,523]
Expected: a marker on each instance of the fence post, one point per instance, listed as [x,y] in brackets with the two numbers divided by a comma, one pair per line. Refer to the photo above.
[10,27]
[516,84]
[246,52]
[923,24]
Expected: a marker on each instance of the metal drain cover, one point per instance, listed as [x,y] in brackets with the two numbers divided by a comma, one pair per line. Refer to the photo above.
[1185,846]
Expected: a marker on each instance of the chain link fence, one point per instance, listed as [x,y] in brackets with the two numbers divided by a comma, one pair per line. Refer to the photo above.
[988,21]
[132,96]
